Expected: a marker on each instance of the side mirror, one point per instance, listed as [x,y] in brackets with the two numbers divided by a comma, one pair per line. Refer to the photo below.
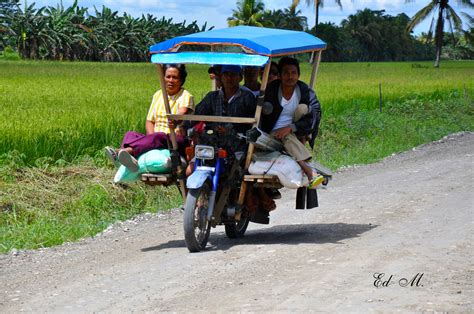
[267,108]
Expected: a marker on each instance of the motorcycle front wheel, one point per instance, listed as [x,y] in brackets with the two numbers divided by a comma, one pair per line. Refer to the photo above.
[237,229]
[196,225]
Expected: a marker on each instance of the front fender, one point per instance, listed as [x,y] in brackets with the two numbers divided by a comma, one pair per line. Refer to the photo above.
[198,177]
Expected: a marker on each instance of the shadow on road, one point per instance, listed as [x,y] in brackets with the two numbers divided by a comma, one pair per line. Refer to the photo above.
[281,234]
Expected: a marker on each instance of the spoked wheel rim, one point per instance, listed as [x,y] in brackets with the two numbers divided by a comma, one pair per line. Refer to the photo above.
[196,225]
[241,224]
[237,229]
[200,216]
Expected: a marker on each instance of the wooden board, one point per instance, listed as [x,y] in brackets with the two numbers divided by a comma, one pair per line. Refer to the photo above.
[263,180]
[195,117]
[253,177]
[157,179]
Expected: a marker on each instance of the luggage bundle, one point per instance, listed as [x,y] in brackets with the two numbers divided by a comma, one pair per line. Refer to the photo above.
[153,161]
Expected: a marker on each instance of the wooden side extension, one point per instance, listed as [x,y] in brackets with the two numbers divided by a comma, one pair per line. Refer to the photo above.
[263,180]
[158,179]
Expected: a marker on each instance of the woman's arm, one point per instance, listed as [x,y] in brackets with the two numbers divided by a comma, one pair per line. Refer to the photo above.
[177,125]
[172,124]
[149,127]
[184,110]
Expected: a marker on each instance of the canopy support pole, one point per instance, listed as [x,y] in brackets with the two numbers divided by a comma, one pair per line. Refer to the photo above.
[258,113]
[213,82]
[314,71]
[174,144]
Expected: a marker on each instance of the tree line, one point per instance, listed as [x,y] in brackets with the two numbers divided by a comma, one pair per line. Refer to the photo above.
[72,33]
[372,35]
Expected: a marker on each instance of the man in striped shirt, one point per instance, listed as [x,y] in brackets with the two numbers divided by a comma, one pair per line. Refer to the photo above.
[231,100]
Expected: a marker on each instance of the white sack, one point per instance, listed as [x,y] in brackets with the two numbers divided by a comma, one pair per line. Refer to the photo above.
[286,168]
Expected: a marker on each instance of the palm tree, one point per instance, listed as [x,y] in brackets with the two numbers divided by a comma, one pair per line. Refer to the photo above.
[317,4]
[248,12]
[469,34]
[293,19]
[288,18]
[445,13]
[366,26]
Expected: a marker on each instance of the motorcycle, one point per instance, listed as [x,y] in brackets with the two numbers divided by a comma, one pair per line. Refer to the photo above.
[213,187]
[215,193]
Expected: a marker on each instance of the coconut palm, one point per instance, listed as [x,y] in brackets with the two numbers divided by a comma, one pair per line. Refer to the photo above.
[444,13]
[469,34]
[288,18]
[248,12]
[366,27]
[293,19]
[317,4]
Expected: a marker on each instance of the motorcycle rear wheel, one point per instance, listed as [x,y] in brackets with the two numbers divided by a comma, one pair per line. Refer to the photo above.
[196,225]
[237,229]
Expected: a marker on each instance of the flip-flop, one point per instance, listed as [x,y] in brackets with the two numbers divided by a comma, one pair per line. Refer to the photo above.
[111,154]
[128,160]
[316,181]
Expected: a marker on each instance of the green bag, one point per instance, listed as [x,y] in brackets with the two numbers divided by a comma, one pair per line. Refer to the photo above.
[154,161]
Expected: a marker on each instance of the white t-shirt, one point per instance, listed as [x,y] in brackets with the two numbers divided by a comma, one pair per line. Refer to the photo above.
[286,116]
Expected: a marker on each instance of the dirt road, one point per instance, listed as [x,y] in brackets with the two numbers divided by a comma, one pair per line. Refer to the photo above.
[409,217]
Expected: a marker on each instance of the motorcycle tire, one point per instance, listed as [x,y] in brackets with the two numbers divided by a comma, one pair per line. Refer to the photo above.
[196,225]
[237,229]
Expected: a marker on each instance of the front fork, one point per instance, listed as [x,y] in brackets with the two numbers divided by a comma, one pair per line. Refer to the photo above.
[214,185]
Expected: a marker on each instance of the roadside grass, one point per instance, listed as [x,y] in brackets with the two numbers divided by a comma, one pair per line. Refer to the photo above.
[56,117]
[46,206]
[366,136]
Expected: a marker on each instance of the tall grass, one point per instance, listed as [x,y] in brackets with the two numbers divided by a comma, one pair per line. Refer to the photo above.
[361,136]
[345,86]
[46,206]
[65,110]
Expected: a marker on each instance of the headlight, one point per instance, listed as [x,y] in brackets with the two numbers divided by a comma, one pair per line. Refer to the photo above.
[204,152]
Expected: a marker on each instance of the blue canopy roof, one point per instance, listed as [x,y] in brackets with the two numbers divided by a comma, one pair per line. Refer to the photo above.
[256,40]
[209,58]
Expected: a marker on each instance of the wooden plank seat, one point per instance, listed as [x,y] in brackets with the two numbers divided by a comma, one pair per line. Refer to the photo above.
[263,180]
[158,179]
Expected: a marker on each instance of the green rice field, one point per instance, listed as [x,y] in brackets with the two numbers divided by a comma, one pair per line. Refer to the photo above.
[56,117]
[61,110]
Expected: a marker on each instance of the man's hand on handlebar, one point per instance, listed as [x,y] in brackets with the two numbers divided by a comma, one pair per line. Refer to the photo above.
[177,127]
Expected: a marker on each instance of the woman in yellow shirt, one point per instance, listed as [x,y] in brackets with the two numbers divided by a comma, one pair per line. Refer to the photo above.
[157,125]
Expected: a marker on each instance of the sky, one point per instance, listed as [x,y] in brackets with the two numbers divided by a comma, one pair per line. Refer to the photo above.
[216,12]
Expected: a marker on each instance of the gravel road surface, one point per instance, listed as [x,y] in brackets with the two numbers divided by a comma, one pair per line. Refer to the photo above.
[391,236]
